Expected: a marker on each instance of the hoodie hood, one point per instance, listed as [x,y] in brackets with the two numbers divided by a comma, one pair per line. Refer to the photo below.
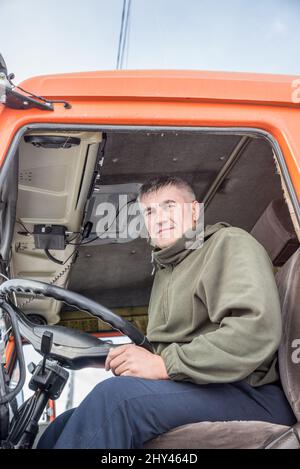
[189,241]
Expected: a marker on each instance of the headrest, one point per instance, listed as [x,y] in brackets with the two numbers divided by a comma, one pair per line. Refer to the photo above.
[275,231]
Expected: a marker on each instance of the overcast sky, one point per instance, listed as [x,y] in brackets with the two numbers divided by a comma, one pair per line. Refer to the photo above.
[56,36]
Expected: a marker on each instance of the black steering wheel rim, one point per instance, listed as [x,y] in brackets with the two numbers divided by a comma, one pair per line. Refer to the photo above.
[79,301]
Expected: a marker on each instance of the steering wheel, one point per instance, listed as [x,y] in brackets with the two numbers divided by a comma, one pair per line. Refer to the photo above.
[71,348]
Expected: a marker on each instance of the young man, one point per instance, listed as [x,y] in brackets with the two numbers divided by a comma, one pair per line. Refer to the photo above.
[215,326]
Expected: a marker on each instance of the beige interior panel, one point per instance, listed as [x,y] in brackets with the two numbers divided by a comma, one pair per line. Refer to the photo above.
[53,187]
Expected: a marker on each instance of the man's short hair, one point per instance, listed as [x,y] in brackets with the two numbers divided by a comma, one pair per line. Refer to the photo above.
[161,182]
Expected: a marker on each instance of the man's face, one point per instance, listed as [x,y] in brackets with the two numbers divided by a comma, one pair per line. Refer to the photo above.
[168,213]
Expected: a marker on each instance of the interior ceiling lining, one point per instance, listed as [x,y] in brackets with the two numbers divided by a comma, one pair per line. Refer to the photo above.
[134,157]
[119,275]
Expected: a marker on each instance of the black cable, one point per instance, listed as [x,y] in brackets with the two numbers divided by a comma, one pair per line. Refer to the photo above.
[57,261]
[52,258]
[24,415]
[23,226]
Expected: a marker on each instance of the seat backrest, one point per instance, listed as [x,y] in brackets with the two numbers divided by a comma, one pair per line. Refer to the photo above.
[274,230]
[288,283]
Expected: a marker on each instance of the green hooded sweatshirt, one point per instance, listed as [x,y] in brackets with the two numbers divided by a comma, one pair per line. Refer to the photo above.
[214,312]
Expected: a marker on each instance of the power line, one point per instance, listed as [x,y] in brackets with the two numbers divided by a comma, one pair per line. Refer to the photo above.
[128,27]
[123,36]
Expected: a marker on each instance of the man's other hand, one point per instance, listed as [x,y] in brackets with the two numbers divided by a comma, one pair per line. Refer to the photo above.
[132,360]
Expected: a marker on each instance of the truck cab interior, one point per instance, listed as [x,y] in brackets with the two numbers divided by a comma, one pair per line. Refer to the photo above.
[59,178]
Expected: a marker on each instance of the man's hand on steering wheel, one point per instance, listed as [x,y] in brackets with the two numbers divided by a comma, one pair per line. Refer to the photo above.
[132,360]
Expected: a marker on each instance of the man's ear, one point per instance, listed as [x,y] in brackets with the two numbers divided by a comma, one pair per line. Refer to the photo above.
[195,210]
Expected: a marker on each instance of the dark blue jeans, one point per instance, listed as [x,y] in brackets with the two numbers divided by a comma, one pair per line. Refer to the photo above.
[125,412]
